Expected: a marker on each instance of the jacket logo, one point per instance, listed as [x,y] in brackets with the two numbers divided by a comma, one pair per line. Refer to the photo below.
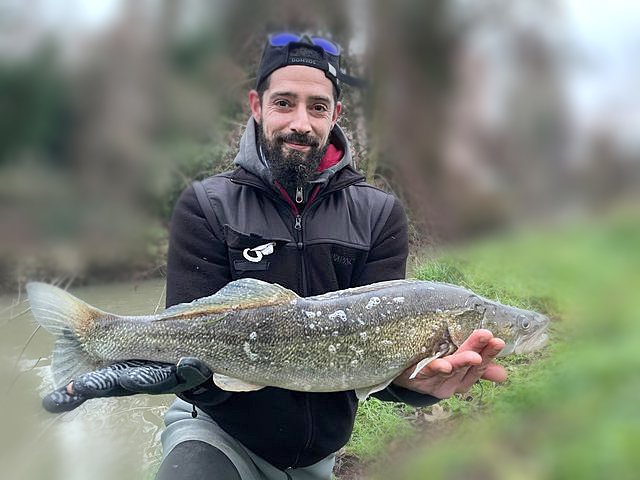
[341,259]
[255,254]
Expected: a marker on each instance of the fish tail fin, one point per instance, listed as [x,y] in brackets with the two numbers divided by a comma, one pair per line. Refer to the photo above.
[65,317]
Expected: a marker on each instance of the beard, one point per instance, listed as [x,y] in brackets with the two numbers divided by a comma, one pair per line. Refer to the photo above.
[291,168]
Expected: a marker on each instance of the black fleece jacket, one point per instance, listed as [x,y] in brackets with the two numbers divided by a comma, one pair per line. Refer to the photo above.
[349,234]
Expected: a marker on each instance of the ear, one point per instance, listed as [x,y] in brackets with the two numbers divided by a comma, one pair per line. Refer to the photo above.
[336,114]
[256,106]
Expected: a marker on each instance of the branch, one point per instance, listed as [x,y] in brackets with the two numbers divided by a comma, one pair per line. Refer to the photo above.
[15,365]
[24,371]
[164,289]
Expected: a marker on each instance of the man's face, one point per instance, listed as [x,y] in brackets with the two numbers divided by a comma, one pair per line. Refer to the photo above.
[295,117]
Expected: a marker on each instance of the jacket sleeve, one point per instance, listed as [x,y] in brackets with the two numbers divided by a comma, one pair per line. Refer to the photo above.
[387,260]
[197,266]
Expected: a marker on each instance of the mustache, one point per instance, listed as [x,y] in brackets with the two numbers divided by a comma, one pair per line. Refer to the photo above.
[298,138]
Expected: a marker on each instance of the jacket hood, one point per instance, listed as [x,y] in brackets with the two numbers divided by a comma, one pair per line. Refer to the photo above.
[251,160]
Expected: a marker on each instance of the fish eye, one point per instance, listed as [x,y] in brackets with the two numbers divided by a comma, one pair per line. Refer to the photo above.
[524,322]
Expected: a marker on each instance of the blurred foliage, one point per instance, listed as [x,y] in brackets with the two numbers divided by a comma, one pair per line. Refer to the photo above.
[116,122]
[99,149]
[34,108]
[569,411]
[379,423]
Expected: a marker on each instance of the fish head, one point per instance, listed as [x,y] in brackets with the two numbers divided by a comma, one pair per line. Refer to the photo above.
[522,330]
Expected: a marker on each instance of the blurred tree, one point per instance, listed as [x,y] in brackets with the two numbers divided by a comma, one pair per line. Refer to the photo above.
[432,141]
[411,52]
[34,108]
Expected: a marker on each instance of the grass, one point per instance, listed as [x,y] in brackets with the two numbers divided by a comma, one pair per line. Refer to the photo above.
[379,423]
[570,411]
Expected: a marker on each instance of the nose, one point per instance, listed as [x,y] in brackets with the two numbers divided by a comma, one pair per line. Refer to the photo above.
[300,121]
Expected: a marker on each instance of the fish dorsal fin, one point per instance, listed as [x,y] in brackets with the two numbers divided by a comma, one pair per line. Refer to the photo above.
[374,287]
[239,294]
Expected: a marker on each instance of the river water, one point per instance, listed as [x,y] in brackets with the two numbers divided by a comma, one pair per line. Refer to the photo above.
[104,439]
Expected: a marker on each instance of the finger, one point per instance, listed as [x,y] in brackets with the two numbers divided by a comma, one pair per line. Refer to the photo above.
[125,365]
[491,351]
[100,383]
[192,373]
[477,341]
[105,382]
[474,374]
[152,379]
[468,358]
[451,365]
[495,373]
[439,366]
[60,401]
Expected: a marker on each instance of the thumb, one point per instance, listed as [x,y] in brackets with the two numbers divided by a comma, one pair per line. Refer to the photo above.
[192,372]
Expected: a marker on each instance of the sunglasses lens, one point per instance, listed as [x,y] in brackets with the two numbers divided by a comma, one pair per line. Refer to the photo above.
[282,39]
[328,46]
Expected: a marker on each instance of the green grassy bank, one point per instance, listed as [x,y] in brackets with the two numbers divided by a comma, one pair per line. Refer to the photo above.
[571,411]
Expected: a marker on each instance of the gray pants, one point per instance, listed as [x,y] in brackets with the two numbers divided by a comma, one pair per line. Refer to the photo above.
[181,426]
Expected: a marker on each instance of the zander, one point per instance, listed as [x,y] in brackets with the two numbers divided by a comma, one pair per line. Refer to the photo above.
[254,334]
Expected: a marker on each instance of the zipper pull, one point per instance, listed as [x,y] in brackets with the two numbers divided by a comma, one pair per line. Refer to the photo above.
[299,196]
[298,225]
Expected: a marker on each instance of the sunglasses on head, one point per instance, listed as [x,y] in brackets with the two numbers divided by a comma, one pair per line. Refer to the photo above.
[282,39]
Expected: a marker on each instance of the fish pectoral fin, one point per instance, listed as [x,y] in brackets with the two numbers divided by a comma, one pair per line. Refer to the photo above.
[231,384]
[363,393]
[423,363]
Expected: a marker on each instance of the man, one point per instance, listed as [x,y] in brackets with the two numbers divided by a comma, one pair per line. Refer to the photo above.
[294,212]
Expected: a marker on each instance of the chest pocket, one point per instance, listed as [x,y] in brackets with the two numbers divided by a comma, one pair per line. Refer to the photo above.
[251,255]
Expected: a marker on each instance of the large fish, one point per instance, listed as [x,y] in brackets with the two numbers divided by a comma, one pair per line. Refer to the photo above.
[254,334]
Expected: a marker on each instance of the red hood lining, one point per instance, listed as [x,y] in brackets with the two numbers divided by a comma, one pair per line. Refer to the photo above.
[331,157]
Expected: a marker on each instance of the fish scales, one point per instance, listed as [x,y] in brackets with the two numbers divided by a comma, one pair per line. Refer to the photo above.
[288,347]
[266,335]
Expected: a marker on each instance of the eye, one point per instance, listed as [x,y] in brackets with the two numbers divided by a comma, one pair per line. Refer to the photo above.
[524,322]
[319,108]
[282,103]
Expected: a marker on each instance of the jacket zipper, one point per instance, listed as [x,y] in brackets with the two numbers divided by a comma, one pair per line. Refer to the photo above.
[269,191]
[309,422]
[300,244]
[309,418]
[297,225]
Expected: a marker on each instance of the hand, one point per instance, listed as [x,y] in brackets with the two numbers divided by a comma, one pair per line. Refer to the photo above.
[128,378]
[456,373]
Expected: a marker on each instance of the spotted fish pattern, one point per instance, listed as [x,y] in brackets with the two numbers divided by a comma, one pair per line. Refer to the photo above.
[253,334]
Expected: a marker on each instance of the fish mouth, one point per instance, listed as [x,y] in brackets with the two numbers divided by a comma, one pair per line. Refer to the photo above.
[525,344]
[531,344]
